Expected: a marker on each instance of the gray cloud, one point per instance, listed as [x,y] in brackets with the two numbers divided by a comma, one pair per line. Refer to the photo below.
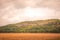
[12,11]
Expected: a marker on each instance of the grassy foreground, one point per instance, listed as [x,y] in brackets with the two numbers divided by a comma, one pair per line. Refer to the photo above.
[29,36]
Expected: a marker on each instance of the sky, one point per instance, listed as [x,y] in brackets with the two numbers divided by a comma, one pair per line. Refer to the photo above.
[14,11]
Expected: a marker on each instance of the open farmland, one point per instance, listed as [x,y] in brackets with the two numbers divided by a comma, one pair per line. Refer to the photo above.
[29,36]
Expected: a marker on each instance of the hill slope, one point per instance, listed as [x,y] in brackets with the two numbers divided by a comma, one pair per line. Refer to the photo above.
[39,26]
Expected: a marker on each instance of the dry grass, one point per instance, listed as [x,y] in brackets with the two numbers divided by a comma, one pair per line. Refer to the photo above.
[29,36]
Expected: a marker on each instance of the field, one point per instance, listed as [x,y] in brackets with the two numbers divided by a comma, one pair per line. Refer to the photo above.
[29,36]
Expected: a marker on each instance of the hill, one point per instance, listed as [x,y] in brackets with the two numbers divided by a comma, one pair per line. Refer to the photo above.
[39,26]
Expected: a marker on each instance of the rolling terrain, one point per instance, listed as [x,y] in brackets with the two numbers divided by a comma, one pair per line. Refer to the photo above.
[39,26]
[32,30]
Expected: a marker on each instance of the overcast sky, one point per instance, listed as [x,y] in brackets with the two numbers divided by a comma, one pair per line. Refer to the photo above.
[12,11]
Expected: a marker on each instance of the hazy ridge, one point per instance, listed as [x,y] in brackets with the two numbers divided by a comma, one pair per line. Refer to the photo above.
[39,26]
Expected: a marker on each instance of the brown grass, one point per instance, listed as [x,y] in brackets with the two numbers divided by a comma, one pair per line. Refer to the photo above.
[29,36]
